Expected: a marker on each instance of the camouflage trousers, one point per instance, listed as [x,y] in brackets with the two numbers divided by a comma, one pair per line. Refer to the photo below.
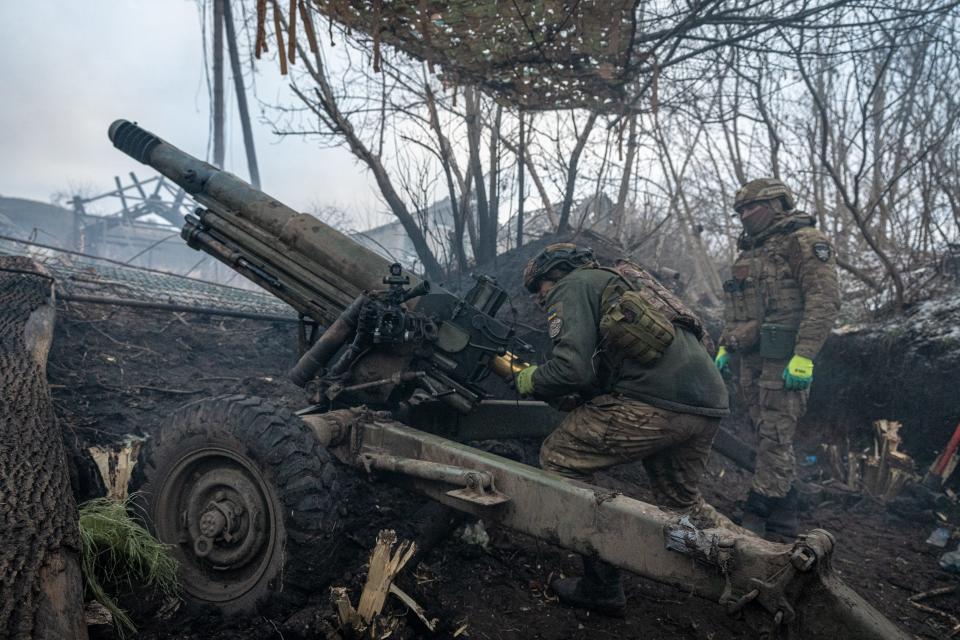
[774,413]
[611,430]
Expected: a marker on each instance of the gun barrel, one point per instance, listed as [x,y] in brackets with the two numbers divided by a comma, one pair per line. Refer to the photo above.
[310,265]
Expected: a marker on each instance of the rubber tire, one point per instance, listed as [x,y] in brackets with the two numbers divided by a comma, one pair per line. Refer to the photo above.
[301,480]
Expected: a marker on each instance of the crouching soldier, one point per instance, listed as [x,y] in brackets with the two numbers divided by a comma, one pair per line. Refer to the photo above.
[639,360]
[780,306]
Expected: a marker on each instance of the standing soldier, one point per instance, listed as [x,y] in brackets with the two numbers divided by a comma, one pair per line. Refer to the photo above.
[780,306]
[637,357]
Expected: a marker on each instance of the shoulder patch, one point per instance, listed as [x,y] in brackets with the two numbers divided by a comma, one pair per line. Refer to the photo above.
[822,251]
[554,321]
[555,325]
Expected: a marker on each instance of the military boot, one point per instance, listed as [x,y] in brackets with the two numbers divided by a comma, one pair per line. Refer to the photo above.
[783,516]
[755,513]
[600,589]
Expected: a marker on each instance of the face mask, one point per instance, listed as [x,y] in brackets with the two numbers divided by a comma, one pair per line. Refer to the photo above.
[758,220]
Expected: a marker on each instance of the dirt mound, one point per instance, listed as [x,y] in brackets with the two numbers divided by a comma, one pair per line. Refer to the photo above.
[508,269]
[906,368]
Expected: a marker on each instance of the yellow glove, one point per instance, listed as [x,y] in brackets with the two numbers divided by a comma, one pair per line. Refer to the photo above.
[525,381]
[798,374]
[722,360]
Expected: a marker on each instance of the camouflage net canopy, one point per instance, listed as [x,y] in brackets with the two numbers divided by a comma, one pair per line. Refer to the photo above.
[539,54]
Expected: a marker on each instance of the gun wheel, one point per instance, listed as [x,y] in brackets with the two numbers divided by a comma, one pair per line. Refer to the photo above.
[247,498]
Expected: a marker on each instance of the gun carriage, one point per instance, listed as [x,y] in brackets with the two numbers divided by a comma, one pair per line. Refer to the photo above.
[243,490]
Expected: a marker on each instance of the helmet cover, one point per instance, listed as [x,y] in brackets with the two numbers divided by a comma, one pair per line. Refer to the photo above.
[763,189]
[554,255]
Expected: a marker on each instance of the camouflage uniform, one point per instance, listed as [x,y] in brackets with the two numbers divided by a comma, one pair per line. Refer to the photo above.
[665,413]
[781,301]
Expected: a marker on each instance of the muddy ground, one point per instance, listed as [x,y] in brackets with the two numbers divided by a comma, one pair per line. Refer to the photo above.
[115,371]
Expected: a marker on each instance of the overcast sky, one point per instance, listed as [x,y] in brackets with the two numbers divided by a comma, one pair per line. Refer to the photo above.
[71,67]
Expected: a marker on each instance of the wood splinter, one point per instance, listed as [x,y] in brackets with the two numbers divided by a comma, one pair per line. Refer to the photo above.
[365,620]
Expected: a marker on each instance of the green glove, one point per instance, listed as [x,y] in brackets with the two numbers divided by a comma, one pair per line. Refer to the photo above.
[722,360]
[525,381]
[798,373]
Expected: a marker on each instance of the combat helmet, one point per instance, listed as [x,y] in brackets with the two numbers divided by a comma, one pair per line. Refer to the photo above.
[558,254]
[764,189]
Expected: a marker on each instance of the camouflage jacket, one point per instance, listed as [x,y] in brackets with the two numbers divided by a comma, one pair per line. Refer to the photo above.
[785,276]
[684,379]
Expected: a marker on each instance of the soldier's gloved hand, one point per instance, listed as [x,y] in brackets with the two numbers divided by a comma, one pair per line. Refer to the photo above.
[722,360]
[798,374]
[525,381]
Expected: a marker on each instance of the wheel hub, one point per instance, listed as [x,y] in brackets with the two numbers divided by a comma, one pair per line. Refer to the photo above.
[215,504]
[219,523]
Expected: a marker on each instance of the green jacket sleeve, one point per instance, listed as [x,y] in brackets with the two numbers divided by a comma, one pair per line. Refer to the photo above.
[573,315]
[814,265]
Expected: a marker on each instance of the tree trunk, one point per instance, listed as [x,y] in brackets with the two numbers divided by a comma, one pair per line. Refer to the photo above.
[849,201]
[564,224]
[483,250]
[521,146]
[41,592]
[707,280]
[450,171]
[773,137]
[341,126]
[218,138]
[619,210]
[731,135]
[493,220]
[531,168]
[241,95]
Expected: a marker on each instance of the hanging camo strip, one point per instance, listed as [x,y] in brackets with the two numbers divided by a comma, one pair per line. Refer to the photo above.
[292,33]
[377,12]
[261,41]
[307,20]
[425,29]
[278,27]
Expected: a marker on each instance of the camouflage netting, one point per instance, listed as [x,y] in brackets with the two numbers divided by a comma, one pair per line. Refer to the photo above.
[541,54]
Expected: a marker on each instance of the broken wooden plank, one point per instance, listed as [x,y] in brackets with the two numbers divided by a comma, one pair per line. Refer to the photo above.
[366,620]
[405,598]
[384,566]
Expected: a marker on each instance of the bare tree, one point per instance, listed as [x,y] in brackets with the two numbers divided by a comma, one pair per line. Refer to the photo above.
[852,103]
[563,224]
[324,103]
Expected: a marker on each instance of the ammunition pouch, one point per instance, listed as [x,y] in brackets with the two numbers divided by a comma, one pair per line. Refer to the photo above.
[777,341]
[632,328]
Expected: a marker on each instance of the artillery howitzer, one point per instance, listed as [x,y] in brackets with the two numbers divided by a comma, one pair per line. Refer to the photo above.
[248,494]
